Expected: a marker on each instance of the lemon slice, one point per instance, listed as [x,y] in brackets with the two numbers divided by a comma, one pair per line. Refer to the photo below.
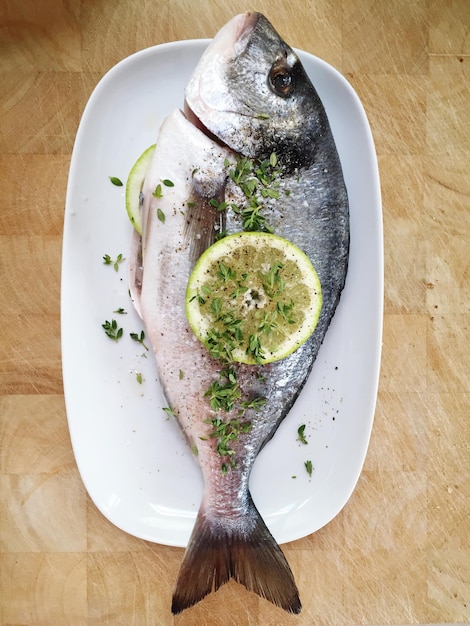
[253,298]
[134,185]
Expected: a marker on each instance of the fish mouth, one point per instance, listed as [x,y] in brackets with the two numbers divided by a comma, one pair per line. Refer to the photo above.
[232,39]
[242,27]
[228,44]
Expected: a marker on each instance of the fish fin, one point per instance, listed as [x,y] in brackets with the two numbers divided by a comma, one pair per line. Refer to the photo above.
[203,221]
[251,556]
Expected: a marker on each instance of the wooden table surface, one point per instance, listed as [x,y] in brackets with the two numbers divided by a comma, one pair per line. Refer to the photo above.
[399,552]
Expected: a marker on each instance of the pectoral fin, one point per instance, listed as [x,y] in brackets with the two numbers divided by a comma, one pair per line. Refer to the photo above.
[203,220]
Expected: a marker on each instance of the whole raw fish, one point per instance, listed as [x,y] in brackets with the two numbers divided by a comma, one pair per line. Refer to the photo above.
[248,96]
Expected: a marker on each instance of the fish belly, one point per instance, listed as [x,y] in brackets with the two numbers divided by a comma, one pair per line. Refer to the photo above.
[184,367]
[230,539]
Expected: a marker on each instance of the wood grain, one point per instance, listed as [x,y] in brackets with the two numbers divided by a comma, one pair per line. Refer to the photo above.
[399,552]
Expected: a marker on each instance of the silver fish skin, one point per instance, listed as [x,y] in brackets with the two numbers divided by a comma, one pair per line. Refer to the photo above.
[248,95]
[251,92]
[169,238]
[230,539]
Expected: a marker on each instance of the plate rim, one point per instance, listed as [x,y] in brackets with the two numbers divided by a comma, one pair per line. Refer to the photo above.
[88,109]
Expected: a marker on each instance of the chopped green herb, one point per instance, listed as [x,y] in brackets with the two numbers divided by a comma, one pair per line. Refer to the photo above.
[112,329]
[254,348]
[220,344]
[252,218]
[224,393]
[161,215]
[116,181]
[220,206]
[225,273]
[158,191]
[243,168]
[181,374]
[255,178]
[301,434]
[227,432]
[107,260]
[273,283]
[268,323]
[139,338]
[255,404]
[169,411]
[139,378]
[309,467]
[216,307]
[120,311]
[168,183]
[285,310]
[270,193]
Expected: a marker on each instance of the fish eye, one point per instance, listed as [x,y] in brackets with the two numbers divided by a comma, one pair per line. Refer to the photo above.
[281,80]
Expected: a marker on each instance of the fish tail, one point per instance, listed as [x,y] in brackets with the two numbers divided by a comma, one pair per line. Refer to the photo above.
[249,554]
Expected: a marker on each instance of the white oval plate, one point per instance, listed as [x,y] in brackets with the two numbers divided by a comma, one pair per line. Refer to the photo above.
[134,461]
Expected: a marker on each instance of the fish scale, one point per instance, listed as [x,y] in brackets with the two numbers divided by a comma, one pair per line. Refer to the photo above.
[249,95]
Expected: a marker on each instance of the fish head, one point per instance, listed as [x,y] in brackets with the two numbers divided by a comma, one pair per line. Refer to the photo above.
[250,91]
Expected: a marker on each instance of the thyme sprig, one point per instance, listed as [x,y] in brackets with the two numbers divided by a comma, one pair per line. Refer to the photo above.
[227,432]
[224,396]
[255,403]
[225,392]
[226,333]
[258,180]
[107,260]
[112,330]
[139,338]
[301,434]
[169,411]
[158,191]
[255,349]
[309,467]
[273,283]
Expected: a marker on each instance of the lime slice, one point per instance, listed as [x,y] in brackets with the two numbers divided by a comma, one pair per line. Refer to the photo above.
[134,185]
[253,298]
